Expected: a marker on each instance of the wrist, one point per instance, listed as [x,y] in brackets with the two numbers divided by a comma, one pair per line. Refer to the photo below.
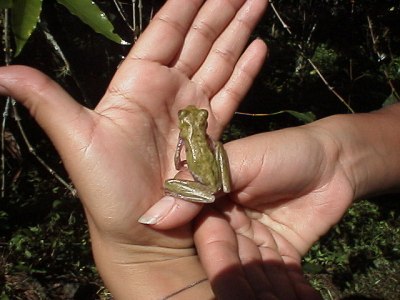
[179,278]
[150,272]
[366,149]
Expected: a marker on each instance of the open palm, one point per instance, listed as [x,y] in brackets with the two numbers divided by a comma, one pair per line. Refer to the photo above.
[119,154]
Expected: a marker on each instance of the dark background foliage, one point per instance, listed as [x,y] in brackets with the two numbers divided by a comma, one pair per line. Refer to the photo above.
[355,45]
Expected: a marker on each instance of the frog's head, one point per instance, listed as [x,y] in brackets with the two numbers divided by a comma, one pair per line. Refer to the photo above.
[193,117]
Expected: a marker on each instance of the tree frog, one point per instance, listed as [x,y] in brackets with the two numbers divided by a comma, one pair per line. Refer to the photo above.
[205,159]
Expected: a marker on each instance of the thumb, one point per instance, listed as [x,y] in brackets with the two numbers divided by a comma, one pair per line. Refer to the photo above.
[170,212]
[50,105]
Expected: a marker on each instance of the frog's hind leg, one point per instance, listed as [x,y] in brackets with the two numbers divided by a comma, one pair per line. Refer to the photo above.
[189,190]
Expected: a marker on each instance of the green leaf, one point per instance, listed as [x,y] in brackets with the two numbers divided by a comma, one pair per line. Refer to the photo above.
[56,203]
[392,99]
[306,117]
[88,12]
[312,268]
[25,16]
[6,3]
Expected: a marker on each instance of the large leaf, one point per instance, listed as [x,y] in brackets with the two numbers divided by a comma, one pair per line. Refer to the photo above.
[25,16]
[92,15]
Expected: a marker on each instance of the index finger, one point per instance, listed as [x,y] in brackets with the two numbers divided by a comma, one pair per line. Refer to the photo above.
[217,248]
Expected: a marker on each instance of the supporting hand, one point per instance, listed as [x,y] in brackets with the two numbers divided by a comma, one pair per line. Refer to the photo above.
[119,154]
[289,188]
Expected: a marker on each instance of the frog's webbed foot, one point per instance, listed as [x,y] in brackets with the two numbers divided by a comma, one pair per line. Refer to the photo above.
[189,190]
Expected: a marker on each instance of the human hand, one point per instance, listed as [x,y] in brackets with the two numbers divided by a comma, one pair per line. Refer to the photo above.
[288,189]
[119,154]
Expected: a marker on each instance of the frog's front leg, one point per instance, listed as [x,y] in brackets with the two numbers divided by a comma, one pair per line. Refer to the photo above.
[192,191]
[177,158]
[223,164]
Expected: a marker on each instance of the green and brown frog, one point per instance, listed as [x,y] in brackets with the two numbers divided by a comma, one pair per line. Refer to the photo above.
[206,160]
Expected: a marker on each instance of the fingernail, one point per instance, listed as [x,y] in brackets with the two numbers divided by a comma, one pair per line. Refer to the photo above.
[158,211]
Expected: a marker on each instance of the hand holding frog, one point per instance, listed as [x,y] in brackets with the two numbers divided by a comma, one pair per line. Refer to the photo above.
[119,154]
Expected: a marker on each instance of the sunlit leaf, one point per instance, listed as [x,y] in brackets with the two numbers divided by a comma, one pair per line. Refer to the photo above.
[88,12]
[25,16]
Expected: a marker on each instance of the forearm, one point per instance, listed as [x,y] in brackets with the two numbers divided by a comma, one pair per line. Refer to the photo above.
[368,148]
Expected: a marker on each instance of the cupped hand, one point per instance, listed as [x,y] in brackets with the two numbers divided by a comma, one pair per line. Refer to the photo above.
[119,154]
[289,189]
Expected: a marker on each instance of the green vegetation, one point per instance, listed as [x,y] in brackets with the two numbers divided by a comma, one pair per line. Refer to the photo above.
[334,57]
[361,255]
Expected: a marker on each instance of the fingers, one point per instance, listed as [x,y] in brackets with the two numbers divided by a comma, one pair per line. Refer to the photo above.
[228,47]
[218,251]
[162,40]
[228,98]
[241,255]
[52,107]
[252,265]
[259,254]
[210,22]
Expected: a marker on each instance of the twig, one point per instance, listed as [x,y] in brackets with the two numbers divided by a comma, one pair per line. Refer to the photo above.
[3,159]
[134,14]
[11,102]
[331,88]
[138,26]
[271,3]
[56,47]
[32,150]
[122,14]
[307,117]
[259,114]
[151,13]
[7,59]
[66,68]
[140,7]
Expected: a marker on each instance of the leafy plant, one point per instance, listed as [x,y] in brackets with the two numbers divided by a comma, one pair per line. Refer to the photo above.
[365,242]
[26,15]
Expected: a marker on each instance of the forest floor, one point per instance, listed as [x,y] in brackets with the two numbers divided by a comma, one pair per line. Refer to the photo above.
[358,259]
[379,282]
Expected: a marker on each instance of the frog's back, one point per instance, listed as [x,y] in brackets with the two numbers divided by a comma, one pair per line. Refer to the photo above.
[199,153]
[201,160]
